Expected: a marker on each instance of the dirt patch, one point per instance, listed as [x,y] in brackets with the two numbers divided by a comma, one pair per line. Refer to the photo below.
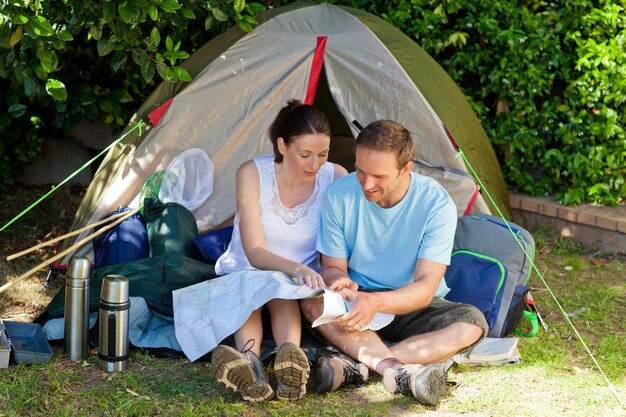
[48,219]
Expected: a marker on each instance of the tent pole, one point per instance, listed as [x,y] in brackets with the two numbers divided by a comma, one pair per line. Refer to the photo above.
[65,236]
[68,250]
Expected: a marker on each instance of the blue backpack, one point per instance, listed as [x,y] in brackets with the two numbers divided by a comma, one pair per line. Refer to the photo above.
[490,270]
[126,242]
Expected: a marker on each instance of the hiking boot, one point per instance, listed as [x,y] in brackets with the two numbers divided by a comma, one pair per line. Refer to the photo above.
[292,371]
[425,383]
[337,370]
[241,372]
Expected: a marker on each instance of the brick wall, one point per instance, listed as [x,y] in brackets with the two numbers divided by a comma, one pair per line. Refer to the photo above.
[601,227]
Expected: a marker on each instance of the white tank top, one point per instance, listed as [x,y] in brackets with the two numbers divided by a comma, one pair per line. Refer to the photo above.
[289,232]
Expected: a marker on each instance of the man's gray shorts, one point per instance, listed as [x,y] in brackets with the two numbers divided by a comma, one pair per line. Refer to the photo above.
[439,314]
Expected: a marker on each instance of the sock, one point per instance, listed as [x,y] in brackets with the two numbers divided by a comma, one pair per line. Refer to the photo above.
[387,363]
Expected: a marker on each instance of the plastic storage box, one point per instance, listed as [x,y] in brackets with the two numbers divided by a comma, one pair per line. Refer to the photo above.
[28,341]
[5,348]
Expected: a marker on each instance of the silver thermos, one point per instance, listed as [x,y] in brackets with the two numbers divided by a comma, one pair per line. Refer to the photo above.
[113,336]
[77,308]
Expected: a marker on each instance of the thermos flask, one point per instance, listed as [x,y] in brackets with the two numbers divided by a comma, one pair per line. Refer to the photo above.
[77,308]
[113,336]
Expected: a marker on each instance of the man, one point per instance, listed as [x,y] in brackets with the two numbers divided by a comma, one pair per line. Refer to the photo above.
[386,236]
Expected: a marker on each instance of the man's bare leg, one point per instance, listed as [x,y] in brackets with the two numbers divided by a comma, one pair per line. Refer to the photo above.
[437,346]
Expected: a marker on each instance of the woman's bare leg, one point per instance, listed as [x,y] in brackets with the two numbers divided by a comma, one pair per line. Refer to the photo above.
[252,329]
[286,324]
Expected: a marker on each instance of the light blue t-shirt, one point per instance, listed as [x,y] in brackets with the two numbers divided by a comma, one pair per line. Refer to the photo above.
[383,244]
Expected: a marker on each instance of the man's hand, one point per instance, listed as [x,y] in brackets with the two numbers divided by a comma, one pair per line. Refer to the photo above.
[365,306]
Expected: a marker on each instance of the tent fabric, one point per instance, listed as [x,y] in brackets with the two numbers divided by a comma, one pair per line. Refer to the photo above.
[240,81]
[156,115]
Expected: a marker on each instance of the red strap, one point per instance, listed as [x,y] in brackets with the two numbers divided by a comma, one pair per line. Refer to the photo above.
[452,141]
[57,265]
[468,209]
[156,114]
[316,70]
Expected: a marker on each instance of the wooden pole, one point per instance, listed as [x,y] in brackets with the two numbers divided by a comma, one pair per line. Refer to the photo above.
[68,250]
[65,236]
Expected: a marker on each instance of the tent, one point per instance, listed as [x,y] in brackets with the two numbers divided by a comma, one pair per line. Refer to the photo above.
[354,66]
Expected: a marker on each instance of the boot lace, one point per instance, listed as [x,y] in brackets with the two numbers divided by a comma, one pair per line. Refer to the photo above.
[351,371]
[403,381]
[253,359]
[248,349]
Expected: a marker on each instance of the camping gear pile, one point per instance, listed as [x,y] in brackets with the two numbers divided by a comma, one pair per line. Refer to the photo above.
[147,255]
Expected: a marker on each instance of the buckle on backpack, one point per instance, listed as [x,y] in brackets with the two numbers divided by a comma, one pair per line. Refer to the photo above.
[534,324]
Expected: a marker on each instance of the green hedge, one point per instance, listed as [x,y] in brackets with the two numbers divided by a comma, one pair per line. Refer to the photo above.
[547,79]
[65,61]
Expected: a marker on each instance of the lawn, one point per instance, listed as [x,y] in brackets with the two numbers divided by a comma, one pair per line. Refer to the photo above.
[557,376]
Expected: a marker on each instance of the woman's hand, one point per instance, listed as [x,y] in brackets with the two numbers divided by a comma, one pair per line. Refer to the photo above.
[303,275]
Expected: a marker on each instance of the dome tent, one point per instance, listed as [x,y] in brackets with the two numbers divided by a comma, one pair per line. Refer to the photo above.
[352,65]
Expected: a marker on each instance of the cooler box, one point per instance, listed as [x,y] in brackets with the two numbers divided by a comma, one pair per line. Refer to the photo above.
[28,342]
[5,348]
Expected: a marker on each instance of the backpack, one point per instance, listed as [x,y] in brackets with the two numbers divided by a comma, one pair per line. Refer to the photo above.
[126,242]
[489,270]
[171,228]
[209,246]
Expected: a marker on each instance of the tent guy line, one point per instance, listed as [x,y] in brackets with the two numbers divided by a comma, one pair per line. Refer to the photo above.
[558,304]
[139,126]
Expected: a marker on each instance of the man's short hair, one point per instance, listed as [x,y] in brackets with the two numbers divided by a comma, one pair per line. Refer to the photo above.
[388,136]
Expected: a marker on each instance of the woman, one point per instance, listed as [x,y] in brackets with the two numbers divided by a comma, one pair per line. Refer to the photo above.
[278,205]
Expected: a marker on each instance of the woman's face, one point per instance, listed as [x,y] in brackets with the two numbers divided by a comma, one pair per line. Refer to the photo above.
[305,154]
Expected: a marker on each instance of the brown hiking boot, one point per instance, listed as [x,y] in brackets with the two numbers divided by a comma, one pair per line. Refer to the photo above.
[241,372]
[292,371]
[336,370]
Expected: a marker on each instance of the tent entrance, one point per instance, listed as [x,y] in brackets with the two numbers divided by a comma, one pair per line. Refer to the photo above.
[342,142]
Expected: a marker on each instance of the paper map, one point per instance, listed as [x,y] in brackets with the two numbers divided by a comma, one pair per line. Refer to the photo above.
[335,306]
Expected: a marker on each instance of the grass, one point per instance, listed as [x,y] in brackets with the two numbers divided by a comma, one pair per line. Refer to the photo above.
[556,378]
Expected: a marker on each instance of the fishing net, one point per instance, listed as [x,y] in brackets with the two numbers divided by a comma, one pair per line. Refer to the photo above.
[188,180]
